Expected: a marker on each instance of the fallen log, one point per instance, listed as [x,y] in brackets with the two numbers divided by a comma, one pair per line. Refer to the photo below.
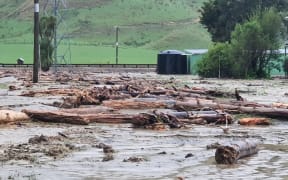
[110,118]
[8,116]
[256,109]
[137,103]
[139,120]
[254,121]
[207,116]
[229,153]
[57,117]
[265,111]
[89,110]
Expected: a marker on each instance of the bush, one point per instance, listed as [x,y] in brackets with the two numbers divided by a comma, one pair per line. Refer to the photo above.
[216,62]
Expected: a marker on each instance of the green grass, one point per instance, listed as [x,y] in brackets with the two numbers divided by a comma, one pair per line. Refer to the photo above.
[146,27]
[82,54]
[151,24]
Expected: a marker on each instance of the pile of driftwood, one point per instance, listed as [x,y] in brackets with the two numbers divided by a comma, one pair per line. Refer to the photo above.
[132,95]
[189,105]
[109,95]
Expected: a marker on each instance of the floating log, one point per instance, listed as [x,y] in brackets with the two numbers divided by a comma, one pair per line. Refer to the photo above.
[57,117]
[142,119]
[229,153]
[196,117]
[8,116]
[249,108]
[254,121]
[137,103]
[89,110]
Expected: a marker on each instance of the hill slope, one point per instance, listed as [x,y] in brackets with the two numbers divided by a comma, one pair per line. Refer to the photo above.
[151,24]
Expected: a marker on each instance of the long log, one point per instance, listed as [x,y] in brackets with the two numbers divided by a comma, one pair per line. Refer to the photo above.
[142,119]
[208,116]
[89,110]
[229,153]
[256,109]
[57,117]
[137,103]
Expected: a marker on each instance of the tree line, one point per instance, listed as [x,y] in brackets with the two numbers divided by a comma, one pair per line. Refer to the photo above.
[246,37]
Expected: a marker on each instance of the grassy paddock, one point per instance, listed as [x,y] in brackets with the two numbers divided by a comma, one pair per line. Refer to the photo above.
[82,54]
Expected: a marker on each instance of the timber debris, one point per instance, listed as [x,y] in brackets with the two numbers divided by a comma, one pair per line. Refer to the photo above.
[229,153]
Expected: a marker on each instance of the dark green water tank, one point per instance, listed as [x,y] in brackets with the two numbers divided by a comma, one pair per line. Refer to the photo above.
[172,62]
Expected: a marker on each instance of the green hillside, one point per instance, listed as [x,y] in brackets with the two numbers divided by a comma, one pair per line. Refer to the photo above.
[150,25]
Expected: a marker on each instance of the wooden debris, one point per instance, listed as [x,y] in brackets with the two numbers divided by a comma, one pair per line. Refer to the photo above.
[8,116]
[137,103]
[229,153]
[57,117]
[254,121]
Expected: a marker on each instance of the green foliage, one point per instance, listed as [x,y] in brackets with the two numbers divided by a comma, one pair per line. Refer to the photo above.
[153,24]
[255,43]
[82,54]
[221,16]
[216,62]
[252,52]
[47,32]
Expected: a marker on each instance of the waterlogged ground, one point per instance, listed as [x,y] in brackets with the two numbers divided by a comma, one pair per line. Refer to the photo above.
[73,152]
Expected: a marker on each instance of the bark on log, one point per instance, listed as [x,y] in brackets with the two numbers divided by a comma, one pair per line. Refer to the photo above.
[257,109]
[89,110]
[208,116]
[137,103]
[142,119]
[254,121]
[110,118]
[231,152]
[57,117]
[265,111]
[8,116]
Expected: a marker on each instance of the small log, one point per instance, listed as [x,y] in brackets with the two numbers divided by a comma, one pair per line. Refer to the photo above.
[229,153]
[254,121]
[8,116]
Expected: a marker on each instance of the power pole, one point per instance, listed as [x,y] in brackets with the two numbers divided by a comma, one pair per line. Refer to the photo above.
[36,41]
[117,43]
[55,33]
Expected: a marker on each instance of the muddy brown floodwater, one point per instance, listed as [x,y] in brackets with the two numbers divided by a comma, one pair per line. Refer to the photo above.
[78,152]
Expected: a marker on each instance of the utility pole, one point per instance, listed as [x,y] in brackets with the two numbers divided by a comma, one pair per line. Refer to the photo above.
[55,33]
[117,43]
[36,41]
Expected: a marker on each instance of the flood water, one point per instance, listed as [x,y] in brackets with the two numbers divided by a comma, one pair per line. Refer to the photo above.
[162,153]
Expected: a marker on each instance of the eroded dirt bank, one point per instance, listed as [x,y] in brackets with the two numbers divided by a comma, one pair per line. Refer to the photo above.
[37,150]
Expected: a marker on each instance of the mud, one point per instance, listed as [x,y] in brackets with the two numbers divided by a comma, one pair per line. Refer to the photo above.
[34,150]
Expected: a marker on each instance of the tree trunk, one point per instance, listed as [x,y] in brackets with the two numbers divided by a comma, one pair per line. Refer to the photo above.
[57,117]
[231,152]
